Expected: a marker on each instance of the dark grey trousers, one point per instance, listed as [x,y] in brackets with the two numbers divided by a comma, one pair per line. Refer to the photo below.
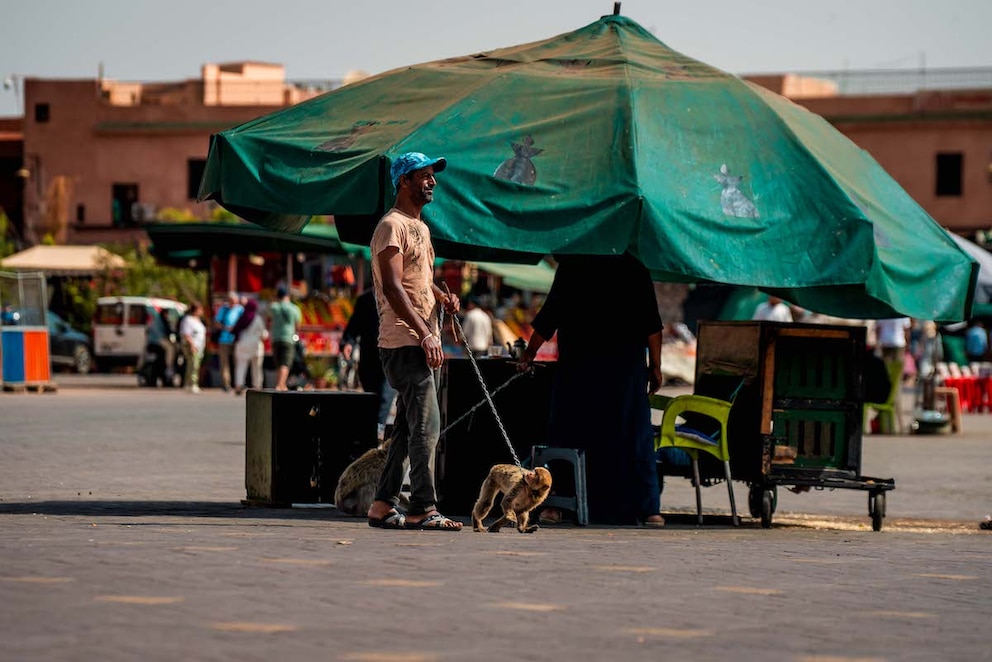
[415,430]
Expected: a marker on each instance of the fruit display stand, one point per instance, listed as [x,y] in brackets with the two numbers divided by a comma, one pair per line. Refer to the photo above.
[323,324]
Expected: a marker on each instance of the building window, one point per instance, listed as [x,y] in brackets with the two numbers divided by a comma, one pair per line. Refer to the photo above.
[950,168]
[42,113]
[123,199]
[194,173]
[80,213]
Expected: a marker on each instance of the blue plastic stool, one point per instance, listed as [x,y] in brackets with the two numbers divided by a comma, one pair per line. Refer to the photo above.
[541,455]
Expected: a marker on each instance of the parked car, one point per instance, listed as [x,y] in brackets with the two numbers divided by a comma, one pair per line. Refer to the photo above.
[68,347]
[120,327]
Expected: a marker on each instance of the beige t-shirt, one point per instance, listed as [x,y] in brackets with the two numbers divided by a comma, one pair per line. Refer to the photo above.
[413,239]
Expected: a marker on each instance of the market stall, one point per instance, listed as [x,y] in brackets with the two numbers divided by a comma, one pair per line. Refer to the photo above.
[252,261]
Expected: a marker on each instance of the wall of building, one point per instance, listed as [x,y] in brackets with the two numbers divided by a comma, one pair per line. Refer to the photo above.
[906,133]
[12,171]
[95,144]
[247,84]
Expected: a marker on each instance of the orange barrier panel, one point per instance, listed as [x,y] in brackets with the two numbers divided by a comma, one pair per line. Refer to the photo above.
[37,363]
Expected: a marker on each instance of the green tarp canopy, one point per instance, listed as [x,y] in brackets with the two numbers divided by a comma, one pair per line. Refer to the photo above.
[180,242]
[741,303]
[601,141]
[533,278]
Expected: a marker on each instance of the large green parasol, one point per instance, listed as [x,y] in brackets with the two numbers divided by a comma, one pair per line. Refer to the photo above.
[601,141]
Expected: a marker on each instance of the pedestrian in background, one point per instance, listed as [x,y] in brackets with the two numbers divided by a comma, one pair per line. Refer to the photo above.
[976,341]
[892,336]
[159,335]
[227,316]
[478,328]
[194,340]
[249,347]
[773,310]
[285,317]
[362,333]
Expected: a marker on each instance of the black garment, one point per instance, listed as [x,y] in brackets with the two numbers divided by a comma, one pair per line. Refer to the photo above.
[599,402]
[878,386]
[363,327]
[590,290]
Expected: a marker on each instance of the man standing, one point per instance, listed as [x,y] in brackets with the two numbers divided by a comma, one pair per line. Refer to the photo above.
[286,317]
[893,337]
[363,330]
[224,322]
[410,345]
[976,341]
[773,310]
[478,327]
[194,339]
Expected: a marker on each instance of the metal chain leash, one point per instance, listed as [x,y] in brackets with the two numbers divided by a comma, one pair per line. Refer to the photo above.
[481,402]
[485,391]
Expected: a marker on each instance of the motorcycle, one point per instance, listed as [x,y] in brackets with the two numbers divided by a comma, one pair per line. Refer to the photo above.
[152,370]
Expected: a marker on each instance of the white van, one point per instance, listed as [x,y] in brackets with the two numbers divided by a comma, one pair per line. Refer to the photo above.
[119,327]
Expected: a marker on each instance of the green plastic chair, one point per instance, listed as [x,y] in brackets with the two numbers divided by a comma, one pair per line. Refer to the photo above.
[693,441]
[889,414]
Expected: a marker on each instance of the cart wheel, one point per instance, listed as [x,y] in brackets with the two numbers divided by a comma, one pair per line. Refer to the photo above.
[754,501]
[876,508]
[767,508]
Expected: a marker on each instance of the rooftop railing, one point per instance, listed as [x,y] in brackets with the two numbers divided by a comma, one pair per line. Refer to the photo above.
[899,81]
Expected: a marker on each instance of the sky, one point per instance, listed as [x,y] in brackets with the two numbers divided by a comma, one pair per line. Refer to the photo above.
[153,40]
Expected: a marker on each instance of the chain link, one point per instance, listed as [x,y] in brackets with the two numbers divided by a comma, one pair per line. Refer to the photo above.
[485,391]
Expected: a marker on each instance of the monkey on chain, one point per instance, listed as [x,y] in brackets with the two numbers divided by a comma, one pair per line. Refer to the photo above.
[357,485]
[523,490]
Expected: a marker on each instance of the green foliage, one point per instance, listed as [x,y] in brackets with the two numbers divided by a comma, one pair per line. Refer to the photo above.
[318,365]
[175,215]
[7,246]
[222,215]
[145,277]
[142,277]
[79,303]
[331,375]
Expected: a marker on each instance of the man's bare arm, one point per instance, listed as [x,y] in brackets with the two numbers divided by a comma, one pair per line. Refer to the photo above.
[391,270]
[654,361]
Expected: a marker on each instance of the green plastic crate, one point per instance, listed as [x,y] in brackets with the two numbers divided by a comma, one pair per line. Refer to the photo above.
[818,437]
[823,373]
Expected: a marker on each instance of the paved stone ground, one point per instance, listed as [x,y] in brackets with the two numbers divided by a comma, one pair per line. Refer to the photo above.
[122,536]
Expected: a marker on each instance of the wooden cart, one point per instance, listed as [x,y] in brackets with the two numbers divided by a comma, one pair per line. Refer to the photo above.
[797,413]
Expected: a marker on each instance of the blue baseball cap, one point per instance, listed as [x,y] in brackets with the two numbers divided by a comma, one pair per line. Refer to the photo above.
[407,163]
